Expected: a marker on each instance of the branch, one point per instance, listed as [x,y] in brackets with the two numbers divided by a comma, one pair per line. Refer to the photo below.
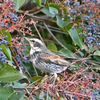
[54,36]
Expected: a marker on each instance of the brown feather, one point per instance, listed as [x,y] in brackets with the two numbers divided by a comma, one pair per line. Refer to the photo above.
[55,59]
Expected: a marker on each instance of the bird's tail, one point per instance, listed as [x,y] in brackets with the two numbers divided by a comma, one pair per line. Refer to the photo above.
[86,60]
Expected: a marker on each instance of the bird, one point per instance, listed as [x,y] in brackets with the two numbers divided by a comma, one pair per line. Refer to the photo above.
[47,61]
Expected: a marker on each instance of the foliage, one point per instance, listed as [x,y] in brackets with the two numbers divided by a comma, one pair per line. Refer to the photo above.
[68,27]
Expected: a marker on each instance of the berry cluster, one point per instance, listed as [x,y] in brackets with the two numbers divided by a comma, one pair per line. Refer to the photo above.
[91,34]
[10,21]
[95,94]
[13,17]
[90,20]
[5,11]
[84,15]
[3,40]
[2,56]
[3,25]
[20,58]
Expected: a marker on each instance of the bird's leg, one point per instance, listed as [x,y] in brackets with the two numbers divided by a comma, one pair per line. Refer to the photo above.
[55,77]
[35,70]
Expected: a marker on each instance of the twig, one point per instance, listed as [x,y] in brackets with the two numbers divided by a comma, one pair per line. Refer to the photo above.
[54,36]
[67,92]
[52,29]
[42,18]
[26,70]
[39,33]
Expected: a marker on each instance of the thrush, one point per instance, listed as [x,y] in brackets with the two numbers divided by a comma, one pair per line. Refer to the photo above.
[47,61]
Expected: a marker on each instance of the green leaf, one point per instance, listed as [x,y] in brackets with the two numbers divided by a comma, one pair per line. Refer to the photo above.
[60,22]
[95,67]
[36,98]
[69,26]
[79,30]
[24,98]
[64,42]
[97,53]
[46,11]
[38,2]
[62,98]
[65,52]
[73,67]
[1,65]
[5,92]
[52,47]
[43,94]
[91,48]
[19,3]
[53,10]
[77,18]
[17,96]
[6,50]
[9,74]
[66,22]
[96,57]
[36,78]
[75,37]
[55,6]
[8,36]
[19,85]
[33,1]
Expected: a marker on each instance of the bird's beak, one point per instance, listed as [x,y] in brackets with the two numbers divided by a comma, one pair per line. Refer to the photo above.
[27,39]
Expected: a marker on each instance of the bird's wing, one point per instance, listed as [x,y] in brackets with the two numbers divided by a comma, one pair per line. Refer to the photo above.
[67,58]
[74,59]
[54,59]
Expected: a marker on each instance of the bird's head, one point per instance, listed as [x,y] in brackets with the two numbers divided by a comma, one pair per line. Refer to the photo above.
[36,44]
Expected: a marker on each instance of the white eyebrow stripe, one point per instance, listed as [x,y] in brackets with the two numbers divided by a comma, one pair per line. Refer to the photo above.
[37,40]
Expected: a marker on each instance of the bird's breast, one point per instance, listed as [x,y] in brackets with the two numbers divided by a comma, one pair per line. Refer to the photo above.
[45,66]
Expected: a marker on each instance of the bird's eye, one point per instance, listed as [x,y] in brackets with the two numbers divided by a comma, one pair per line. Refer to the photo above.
[33,40]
